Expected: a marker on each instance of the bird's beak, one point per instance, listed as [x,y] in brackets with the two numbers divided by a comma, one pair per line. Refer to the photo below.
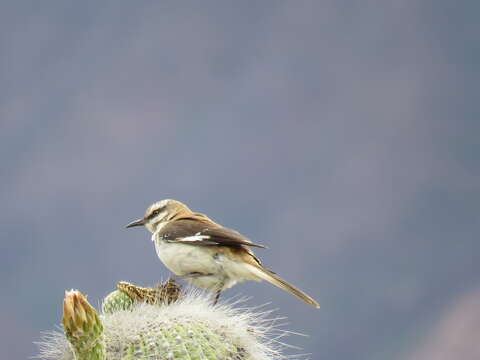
[138,222]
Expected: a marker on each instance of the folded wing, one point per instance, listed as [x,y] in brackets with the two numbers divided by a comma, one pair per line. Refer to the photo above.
[203,233]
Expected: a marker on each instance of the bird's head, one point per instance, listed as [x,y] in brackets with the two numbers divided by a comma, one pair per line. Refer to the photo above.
[159,213]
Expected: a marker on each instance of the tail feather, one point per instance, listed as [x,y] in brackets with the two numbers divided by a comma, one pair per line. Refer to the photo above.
[274,279]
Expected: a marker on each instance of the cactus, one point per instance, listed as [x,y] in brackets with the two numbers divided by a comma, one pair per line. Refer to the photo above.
[161,323]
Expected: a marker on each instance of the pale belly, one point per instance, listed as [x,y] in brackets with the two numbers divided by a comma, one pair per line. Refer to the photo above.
[208,269]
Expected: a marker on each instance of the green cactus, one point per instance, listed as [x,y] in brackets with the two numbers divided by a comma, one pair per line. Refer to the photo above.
[162,323]
[167,340]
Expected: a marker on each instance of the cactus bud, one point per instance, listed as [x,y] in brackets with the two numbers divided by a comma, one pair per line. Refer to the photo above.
[82,327]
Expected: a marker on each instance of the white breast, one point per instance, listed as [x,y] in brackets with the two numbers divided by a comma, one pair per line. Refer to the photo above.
[183,259]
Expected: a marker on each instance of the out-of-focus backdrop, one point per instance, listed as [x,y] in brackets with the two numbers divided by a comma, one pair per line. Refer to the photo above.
[345,136]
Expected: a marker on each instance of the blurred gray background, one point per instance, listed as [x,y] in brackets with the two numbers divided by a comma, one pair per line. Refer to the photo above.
[343,135]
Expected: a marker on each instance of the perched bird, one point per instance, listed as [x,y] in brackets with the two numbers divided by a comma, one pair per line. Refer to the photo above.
[208,255]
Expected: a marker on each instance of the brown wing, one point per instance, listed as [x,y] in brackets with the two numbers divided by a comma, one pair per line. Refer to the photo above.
[198,232]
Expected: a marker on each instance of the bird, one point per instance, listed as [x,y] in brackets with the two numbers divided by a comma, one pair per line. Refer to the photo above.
[208,255]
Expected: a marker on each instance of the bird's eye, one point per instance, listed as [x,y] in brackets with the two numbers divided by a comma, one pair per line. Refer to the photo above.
[156,212]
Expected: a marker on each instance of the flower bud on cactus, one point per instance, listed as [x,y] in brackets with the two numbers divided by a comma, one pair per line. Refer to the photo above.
[82,327]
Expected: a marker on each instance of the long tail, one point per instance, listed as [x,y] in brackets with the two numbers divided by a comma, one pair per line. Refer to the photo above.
[274,279]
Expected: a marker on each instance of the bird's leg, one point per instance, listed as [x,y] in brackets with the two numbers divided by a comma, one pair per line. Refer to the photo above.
[217,296]
[221,284]
[194,275]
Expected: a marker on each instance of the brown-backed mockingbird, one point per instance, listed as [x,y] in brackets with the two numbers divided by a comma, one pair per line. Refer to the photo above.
[208,255]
